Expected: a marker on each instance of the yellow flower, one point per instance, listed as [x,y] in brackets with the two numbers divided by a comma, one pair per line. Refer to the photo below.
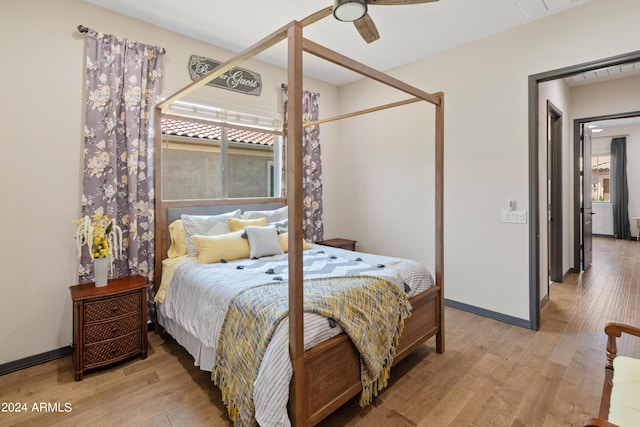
[95,231]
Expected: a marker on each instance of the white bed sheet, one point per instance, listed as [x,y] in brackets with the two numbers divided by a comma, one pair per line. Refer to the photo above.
[271,391]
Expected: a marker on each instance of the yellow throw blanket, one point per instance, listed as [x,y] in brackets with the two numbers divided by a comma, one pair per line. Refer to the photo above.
[369,309]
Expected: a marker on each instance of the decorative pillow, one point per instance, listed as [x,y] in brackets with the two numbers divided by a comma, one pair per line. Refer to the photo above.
[203,225]
[263,241]
[178,246]
[230,246]
[283,238]
[271,216]
[282,226]
[221,227]
[238,224]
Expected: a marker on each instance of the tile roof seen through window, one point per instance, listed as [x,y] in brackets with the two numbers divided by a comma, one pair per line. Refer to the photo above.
[214,132]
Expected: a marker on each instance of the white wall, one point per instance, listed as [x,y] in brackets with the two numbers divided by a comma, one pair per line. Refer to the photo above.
[41,119]
[633,172]
[602,218]
[558,93]
[486,159]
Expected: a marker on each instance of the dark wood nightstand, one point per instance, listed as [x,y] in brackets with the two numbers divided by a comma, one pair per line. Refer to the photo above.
[109,323]
[339,243]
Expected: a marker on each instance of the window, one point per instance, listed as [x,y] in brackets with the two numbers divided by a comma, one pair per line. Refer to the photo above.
[205,159]
[600,172]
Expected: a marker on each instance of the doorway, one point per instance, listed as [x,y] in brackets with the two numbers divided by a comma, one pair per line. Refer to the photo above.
[534,173]
[583,212]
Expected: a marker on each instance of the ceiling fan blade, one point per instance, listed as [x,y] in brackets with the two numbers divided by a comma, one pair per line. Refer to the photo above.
[315,17]
[367,28]
[398,2]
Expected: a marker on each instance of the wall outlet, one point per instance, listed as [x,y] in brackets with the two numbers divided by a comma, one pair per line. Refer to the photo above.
[517,217]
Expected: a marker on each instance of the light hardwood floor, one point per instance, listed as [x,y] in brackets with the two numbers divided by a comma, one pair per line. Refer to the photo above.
[492,374]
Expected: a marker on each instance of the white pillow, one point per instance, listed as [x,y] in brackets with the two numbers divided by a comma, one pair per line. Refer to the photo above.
[272,215]
[207,225]
[282,226]
[263,241]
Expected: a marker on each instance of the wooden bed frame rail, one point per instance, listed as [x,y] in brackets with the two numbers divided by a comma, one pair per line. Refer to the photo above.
[310,376]
[332,368]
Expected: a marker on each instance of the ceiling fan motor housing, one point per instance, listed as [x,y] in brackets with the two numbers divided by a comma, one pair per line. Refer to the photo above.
[349,10]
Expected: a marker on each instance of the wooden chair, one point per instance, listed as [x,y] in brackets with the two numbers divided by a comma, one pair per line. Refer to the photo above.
[613,331]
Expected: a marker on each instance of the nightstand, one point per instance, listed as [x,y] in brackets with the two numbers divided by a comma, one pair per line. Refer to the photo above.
[339,243]
[109,323]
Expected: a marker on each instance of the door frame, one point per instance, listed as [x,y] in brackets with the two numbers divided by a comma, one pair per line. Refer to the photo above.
[582,239]
[578,144]
[534,190]
[555,221]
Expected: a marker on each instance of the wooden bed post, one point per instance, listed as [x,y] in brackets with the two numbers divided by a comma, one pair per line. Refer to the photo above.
[294,202]
[159,217]
[439,214]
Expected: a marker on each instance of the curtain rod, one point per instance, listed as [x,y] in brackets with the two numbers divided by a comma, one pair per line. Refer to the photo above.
[83,29]
[610,136]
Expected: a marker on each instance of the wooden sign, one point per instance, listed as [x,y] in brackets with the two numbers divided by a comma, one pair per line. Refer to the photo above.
[237,79]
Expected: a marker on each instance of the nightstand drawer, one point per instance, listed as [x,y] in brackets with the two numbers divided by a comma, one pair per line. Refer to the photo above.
[103,331]
[112,307]
[110,350]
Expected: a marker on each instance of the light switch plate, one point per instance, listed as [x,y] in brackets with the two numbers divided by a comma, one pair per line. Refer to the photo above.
[516,217]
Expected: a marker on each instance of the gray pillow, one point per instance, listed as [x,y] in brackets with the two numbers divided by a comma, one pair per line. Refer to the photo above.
[272,216]
[263,241]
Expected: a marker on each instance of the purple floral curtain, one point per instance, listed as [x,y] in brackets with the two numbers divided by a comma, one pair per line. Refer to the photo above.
[124,81]
[312,225]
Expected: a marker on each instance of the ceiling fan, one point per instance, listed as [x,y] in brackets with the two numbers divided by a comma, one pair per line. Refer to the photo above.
[356,11]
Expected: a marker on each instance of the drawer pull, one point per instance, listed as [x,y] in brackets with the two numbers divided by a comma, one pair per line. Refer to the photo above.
[114,351]
[114,310]
[114,331]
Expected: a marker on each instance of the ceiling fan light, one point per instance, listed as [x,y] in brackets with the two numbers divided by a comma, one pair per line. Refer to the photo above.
[349,10]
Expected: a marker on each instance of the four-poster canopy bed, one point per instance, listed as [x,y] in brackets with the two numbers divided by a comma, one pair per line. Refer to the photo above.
[327,375]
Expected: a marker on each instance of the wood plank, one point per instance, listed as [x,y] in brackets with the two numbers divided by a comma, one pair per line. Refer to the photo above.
[361,112]
[358,67]
[439,213]
[295,195]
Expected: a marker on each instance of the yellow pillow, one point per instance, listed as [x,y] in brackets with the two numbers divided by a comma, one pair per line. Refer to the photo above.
[239,224]
[283,238]
[178,238]
[230,246]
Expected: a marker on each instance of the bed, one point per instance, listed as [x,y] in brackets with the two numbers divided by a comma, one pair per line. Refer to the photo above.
[326,370]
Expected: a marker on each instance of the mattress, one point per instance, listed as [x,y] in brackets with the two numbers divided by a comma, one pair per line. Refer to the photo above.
[195,297]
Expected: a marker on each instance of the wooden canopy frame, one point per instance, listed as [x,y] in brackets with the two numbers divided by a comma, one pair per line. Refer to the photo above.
[298,407]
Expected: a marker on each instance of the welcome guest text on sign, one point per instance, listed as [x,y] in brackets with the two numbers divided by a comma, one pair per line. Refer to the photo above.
[237,79]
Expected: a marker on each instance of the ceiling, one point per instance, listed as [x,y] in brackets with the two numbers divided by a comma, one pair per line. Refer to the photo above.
[606,125]
[407,32]
[602,74]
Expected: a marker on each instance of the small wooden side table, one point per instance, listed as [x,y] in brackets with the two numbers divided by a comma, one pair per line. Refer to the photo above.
[109,323]
[339,243]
